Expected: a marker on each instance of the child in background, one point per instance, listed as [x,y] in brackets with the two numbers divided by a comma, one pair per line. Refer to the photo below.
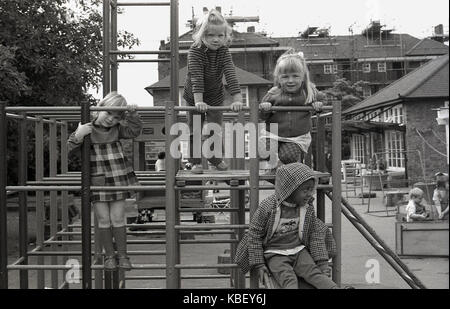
[160,164]
[110,167]
[209,59]
[293,87]
[415,210]
[285,239]
[440,195]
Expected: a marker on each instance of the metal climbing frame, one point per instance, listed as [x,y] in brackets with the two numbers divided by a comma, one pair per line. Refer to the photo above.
[66,182]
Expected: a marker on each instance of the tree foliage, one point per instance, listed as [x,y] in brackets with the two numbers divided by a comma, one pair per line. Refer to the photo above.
[349,94]
[50,54]
[51,50]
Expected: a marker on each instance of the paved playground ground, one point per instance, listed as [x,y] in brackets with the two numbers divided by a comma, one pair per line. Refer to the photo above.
[358,256]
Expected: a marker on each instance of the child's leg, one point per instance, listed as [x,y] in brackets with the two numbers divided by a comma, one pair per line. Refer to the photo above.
[120,232]
[104,230]
[289,152]
[118,222]
[215,117]
[281,268]
[193,156]
[306,268]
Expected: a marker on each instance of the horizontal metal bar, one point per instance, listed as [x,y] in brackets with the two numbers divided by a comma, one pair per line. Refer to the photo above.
[72,253]
[136,188]
[29,109]
[247,108]
[239,187]
[211,226]
[143,3]
[203,209]
[153,226]
[162,277]
[14,116]
[204,266]
[148,241]
[143,60]
[78,188]
[68,267]
[139,52]
[134,266]
[77,182]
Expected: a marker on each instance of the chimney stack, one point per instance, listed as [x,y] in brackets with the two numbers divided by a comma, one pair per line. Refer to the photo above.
[219,9]
[205,10]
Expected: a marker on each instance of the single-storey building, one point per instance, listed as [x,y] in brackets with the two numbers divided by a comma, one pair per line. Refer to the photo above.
[399,123]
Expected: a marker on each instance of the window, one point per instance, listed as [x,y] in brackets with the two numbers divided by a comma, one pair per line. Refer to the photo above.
[244,92]
[366,67]
[394,114]
[373,116]
[330,68]
[358,147]
[395,156]
[381,66]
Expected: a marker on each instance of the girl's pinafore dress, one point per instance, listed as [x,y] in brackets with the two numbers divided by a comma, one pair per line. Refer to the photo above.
[108,163]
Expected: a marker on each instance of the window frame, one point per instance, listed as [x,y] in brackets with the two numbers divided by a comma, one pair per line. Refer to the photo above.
[382,67]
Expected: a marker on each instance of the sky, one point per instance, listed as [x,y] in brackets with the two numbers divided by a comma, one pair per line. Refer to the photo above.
[276,18]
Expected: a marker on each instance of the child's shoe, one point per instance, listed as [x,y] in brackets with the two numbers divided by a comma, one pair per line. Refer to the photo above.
[222,166]
[197,169]
[124,263]
[110,263]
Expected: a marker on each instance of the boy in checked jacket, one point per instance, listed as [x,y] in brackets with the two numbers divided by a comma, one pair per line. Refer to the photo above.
[285,239]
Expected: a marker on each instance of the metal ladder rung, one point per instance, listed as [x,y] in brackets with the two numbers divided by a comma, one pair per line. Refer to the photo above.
[139,52]
[142,3]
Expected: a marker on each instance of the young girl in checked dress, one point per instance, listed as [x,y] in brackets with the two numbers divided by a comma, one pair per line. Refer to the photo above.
[293,87]
[109,167]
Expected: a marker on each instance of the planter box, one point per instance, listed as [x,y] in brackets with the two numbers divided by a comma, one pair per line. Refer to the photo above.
[422,238]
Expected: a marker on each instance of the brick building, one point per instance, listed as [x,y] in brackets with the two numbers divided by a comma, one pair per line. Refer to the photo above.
[377,55]
[403,117]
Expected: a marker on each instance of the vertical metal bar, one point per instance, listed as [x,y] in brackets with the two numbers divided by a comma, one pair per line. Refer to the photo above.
[64,194]
[53,198]
[254,179]
[86,202]
[320,162]
[23,211]
[106,48]
[40,213]
[240,278]
[3,212]
[113,58]
[172,214]
[337,190]
[237,202]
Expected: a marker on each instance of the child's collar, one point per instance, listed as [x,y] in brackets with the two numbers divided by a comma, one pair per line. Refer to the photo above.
[289,204]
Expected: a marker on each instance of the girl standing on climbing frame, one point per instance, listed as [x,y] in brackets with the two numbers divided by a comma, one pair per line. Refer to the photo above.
[293,87]
[208,61]
[109,167]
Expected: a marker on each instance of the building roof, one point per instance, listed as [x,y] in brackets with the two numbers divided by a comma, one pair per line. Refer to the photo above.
[240,39]
[245,78]
[428,81]
[428,47]
[359,47]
